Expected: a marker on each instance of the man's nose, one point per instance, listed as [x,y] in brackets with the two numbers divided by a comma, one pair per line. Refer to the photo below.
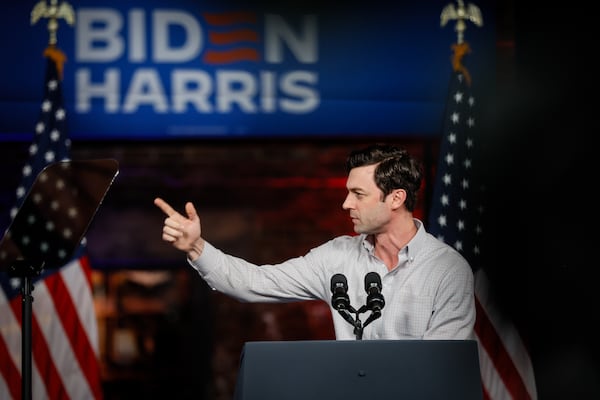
[346,204]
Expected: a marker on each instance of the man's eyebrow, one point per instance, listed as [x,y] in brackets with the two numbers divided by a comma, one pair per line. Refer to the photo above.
[357,190]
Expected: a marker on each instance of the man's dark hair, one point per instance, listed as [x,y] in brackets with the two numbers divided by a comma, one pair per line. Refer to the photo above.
[396,170]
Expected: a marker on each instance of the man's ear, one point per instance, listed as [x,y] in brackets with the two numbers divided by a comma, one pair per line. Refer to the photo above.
[398,198]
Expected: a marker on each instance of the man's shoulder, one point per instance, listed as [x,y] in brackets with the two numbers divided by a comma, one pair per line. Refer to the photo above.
[438,248]
[343,242]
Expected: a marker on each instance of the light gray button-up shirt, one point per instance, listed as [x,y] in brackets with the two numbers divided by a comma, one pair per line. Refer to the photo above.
[428,295]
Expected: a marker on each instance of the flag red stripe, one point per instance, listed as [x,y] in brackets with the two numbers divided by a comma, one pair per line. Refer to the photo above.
[489,339]
[78,338]
[9,371]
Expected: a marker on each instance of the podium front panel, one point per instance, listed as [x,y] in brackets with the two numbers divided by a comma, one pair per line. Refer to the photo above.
[369,369]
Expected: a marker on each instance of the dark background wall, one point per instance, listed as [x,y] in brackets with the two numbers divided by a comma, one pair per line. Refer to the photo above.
[543,169]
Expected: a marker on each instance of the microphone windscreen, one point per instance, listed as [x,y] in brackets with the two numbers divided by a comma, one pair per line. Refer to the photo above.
[372,278]
[339,280]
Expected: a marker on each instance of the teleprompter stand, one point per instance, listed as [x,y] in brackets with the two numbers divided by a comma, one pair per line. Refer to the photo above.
[48,229]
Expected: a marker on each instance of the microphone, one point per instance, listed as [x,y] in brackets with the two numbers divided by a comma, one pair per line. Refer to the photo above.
[339,288]
[375,301]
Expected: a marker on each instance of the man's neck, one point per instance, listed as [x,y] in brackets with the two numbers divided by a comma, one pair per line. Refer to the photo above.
[387,245]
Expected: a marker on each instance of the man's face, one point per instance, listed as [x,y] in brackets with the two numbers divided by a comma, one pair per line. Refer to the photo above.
[368,212]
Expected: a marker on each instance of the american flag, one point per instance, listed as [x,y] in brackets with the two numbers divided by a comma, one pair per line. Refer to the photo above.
[64,333]
[456,217]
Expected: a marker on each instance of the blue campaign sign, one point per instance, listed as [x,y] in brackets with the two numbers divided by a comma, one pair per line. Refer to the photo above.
[231,68]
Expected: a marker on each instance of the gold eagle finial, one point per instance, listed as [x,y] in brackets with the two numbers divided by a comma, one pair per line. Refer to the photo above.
[53,12]
[461,14]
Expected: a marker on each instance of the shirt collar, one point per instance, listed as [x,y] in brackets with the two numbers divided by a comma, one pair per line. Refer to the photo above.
[417,243]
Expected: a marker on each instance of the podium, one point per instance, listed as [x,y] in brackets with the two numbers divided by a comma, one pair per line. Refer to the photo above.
[48,229]
[353,370]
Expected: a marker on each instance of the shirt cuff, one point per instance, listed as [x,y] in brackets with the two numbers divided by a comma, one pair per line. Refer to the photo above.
[201,264]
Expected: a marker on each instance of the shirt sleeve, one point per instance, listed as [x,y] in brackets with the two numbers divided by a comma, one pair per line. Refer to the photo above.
[453,314]
[292,280]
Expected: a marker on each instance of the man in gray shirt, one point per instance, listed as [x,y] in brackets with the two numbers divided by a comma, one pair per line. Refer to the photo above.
[426,288]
